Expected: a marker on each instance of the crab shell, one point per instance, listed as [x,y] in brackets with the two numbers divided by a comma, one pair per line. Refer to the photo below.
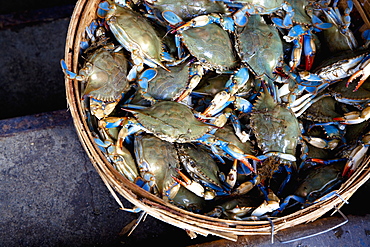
[200,165]
[159,158]
[105,73]
[276,127]
[348,94]
[169,86]
[319,181]
[172,121]
[135,33]
[215,41]
[188,9]
[260,53]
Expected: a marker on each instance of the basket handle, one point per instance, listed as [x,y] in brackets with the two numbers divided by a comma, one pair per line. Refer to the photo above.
[321,232]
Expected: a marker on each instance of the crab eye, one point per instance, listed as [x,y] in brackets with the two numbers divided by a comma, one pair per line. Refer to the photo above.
[192,163]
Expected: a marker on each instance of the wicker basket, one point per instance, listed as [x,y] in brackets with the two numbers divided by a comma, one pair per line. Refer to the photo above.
[84,13]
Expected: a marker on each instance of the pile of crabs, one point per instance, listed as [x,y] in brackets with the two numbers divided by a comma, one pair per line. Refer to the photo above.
[232,109]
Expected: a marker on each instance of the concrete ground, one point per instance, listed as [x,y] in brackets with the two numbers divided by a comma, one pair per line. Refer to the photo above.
[50,194]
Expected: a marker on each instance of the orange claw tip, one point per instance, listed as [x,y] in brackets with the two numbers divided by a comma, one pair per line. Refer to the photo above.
[346,171]
[359,84]
[249,156]
[309,62]
[183,176]
[245,162]
[354,76]
[321,161]
[339,119]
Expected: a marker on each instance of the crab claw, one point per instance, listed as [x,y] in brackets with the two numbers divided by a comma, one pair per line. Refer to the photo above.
[363,73]
[363,76]
[309,51]
[193,186]
[238,154]
[269,205]
[355,117]
[356,156]
[231,177]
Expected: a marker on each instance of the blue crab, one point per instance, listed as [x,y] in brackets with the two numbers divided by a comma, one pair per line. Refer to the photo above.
[277,132]
[105,77]
[204,37]
[119,157]
[236,209]
[261,54]
[184,9]
[297,17]
[339,37]
[158,84]
[203,170]
[316,186]
[159,172]
[165,120]
[252,7]
[347,65]
[276,128]
[157,169]
[141,39]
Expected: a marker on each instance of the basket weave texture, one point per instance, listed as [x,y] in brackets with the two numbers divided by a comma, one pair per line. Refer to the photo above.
[84,13]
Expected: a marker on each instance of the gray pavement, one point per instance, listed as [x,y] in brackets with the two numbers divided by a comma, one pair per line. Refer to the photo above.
[50,194]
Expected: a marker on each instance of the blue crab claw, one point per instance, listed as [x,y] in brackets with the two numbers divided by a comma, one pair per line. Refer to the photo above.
[171,18]
[321,143]
[147,76]
[238,80]
[237,153]
[232,175]
[225,22]
[284,23]
[142,183]
[366,35]
[296,31]
[296,53]
[229,148]
[363,73]
[285,156]
[70,74]
[287,21]
[240,18]
[319,24]
[247,186]
[144,79]
[103,9]
[354,117]
[309,48]
[243,105]
[355,159]
[226,97]
[309,79]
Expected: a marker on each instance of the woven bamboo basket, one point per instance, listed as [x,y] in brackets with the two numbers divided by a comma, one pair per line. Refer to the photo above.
[83,14]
